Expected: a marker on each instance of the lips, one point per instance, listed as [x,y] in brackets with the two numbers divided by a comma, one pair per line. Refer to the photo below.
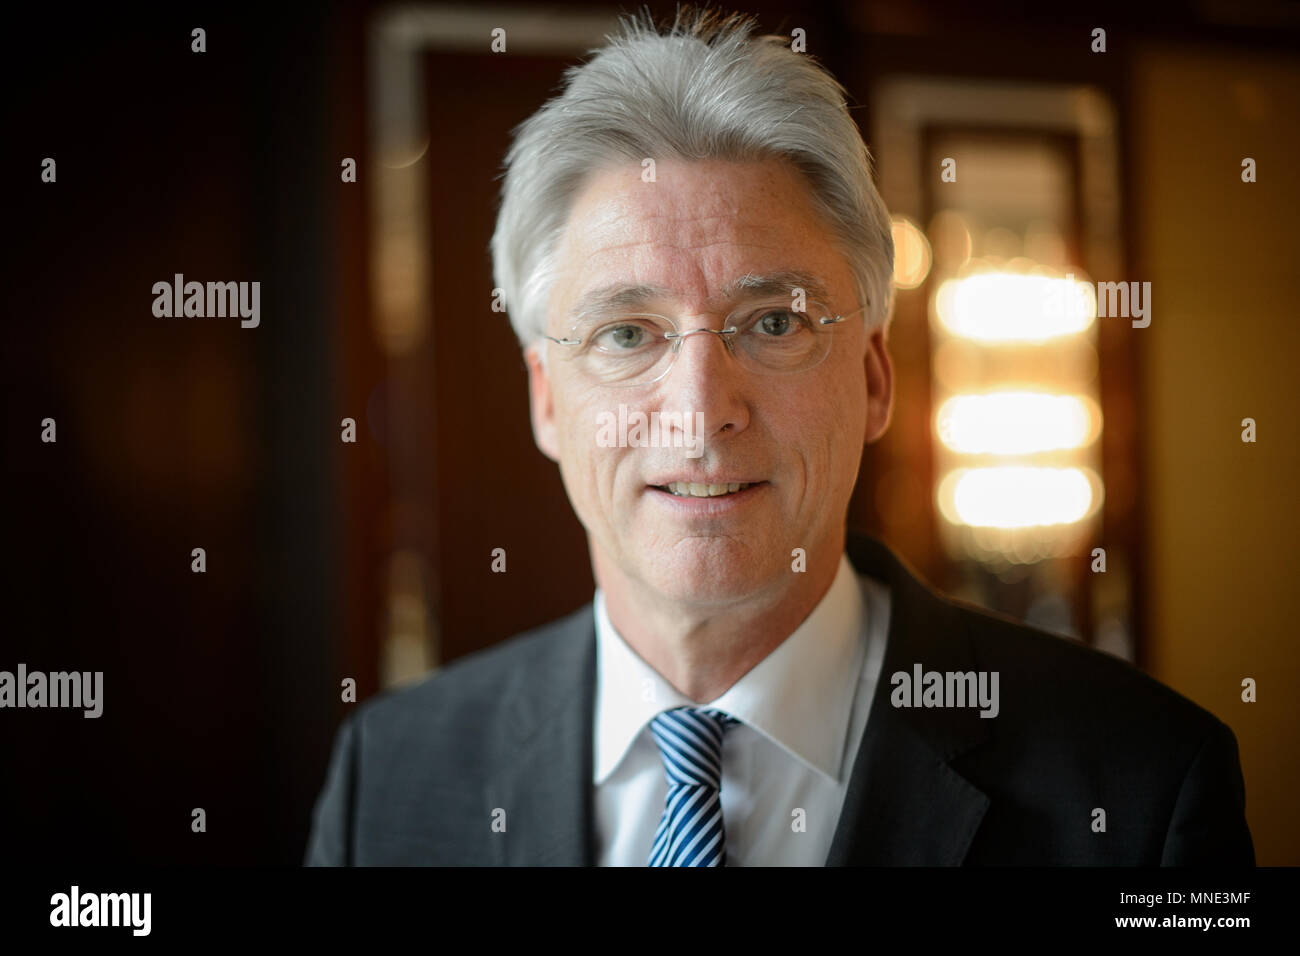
[696,489]
[717,486]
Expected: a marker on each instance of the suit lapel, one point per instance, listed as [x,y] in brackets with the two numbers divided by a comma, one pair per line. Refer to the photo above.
[905,805]
[545,785]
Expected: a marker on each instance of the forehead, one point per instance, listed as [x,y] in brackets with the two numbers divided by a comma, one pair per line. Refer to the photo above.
[692,236]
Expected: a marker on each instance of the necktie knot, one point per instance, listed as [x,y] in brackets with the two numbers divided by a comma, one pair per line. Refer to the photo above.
[690,741]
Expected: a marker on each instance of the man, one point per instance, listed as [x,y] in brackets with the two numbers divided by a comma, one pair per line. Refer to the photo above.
[690,231]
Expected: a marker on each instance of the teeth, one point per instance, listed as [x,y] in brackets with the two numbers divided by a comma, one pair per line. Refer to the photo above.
[695,489]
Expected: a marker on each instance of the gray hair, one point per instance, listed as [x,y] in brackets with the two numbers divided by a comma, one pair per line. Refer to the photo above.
[705,89]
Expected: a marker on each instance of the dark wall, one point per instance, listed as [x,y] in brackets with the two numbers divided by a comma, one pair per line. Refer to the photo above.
[172,434]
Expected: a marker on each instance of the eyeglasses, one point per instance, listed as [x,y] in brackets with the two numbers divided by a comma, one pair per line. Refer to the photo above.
[638,349]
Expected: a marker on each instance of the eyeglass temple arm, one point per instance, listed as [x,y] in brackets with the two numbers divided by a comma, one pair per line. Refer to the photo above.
[834,319]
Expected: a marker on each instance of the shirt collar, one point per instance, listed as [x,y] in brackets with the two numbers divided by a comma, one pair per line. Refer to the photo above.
[802,688]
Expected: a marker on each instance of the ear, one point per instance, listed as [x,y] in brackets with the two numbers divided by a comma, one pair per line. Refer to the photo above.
[880,387]
[541,403]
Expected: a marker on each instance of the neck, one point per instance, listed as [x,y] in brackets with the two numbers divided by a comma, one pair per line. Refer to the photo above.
[702,650]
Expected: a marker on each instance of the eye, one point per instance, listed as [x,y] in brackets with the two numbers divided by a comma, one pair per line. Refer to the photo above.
[778,323]
[622,337]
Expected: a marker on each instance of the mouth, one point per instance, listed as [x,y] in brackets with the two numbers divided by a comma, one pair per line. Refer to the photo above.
[696,489]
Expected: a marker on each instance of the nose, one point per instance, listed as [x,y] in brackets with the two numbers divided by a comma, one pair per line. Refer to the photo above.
[705,378]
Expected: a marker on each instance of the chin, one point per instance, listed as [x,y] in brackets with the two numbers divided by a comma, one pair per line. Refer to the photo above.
[708,571]
[705,593]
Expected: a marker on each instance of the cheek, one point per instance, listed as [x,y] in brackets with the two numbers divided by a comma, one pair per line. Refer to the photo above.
[826,423]
[588,468]
[575,416]
[849,428]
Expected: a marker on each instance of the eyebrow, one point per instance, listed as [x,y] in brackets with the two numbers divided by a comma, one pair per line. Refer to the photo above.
[620,297]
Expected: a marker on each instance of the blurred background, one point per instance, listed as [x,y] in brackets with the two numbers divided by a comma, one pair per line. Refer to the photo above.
[1023,439]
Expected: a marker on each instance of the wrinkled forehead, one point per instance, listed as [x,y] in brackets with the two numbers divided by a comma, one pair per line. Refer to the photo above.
[701,235]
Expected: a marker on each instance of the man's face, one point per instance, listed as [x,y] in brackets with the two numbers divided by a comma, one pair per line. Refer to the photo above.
[795,438]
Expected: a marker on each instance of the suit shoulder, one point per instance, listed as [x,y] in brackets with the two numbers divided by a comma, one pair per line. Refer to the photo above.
[1057,675]
[481,683]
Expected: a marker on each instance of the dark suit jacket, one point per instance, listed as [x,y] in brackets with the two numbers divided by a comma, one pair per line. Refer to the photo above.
[418,775]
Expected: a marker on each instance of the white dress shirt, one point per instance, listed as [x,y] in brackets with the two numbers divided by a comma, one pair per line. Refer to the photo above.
[785,769]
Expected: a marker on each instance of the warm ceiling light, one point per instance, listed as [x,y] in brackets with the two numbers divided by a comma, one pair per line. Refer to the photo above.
[911,253]
[1016,497]
[1012,307]
[1016,423]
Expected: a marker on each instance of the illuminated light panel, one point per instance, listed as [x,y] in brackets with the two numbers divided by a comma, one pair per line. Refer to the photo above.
[1015,496]
[1015,423]
[912,257]
[1013,307]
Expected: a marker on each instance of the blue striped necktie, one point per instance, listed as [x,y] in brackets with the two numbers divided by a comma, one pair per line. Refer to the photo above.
[690,832]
